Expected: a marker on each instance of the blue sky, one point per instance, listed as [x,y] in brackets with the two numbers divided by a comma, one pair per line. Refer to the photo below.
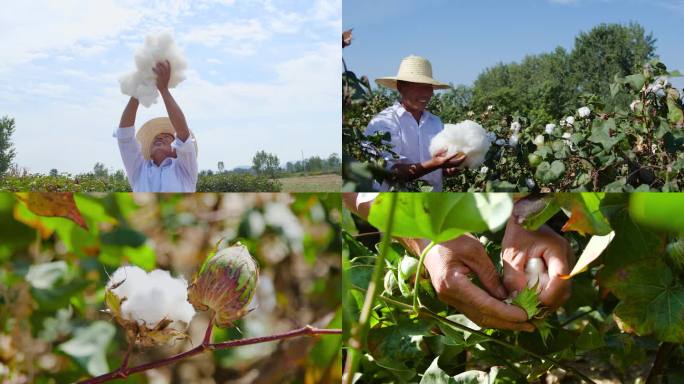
[461,38]
[262,74]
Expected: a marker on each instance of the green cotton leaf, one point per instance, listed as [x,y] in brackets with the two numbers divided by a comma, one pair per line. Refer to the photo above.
[400,342]
[534,211]
[601,133]
[439,216]
[89,347]
[651,300]
[590,338]
[528,300]
[585,213]
[548,173]
[123,236]
[636,81]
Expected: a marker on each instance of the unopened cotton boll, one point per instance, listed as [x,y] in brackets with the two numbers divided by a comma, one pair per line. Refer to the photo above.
[584,112]
[549,128]
[466,137]
[142,83]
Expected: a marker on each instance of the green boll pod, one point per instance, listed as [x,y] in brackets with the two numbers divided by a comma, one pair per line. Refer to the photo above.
[225,284]
[675,251]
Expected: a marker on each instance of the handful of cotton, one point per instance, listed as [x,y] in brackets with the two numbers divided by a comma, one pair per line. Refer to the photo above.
[142,83]
[152,307]
[466,137]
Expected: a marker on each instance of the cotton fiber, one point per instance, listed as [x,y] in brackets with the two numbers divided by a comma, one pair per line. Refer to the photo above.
[467,137]
[142,83]
[152,297]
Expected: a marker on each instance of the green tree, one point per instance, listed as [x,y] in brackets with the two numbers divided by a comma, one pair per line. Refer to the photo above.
[100,171]
[7,151]
[54,172]
[265,163]
[221,166]
[608,50]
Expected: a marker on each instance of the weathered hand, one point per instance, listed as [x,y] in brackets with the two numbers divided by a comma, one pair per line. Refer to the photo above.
[441,159]
[163,72]
[449,265]
[519,245]
[455,161]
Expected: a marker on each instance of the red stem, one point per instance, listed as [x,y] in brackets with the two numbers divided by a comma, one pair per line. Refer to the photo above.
[123,371]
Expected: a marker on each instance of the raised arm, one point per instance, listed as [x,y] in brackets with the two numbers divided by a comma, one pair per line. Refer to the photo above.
[163,71]
[128,115]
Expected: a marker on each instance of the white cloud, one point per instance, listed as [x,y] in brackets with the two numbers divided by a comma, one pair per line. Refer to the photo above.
[239,37]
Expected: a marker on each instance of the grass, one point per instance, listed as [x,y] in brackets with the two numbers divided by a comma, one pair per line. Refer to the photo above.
[319,183]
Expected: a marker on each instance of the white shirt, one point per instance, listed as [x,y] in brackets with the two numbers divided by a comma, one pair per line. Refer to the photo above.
[410,140]
[172,175]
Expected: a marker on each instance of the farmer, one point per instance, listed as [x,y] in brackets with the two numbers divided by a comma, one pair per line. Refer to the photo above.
[162,156]
[411,127]
[449,265]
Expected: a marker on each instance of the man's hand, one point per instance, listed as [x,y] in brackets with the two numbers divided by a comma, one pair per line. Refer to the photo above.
[519,245]
[441,159]
[163,72]
[449,265]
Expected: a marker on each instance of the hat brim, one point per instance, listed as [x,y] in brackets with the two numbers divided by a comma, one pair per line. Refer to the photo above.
[151,129]
[391,82]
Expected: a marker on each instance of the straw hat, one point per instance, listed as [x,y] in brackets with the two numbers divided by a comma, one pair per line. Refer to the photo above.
[152,128]
[414,69]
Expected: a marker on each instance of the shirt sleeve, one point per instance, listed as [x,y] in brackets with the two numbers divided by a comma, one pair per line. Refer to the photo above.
[384,124]
[186,157]
[130,152]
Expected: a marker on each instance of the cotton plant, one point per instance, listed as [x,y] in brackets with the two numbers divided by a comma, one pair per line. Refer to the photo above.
[156,308]
[467,137]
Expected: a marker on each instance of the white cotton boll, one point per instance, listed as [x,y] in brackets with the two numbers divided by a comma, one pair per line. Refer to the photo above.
[567,135]
[491,136]
[634,105]
[515,126]
[513,141]
[484,169]
[530,183]
[584,112]
[500,142]
[152,297]
[539,140]
[142,83]
[570,120]
[549,128]
[490,107]
[125,279]
[466,137]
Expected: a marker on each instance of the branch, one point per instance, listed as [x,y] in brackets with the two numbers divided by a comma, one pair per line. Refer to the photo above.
[124,371]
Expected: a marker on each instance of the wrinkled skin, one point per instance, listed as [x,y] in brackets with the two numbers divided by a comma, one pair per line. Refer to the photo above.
[450,264]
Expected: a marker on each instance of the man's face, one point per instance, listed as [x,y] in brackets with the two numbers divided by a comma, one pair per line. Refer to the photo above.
[162,144]
[414,96]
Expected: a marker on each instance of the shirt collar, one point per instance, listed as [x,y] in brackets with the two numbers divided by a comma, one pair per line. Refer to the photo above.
[401,111]
[165,163]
